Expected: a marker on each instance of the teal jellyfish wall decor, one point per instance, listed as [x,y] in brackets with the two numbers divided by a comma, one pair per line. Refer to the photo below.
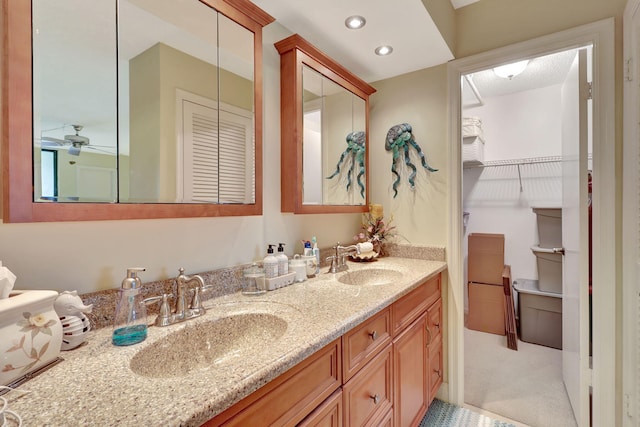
[356,142]
[399,138]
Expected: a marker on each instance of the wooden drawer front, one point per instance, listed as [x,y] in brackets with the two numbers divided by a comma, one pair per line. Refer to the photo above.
[369,393]
[434,370]
[363,342]
[434,323]
[329,414]
[292,396]
[408,308]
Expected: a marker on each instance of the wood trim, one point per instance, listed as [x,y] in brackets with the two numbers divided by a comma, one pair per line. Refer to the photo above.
[327,65]
[17,167]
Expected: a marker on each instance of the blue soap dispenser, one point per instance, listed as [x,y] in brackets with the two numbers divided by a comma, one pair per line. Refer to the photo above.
[130,320]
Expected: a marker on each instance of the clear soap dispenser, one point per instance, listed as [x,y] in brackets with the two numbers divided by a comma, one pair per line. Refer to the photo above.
[130,320]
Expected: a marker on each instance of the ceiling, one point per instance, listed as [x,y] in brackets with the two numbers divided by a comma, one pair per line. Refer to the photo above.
[404,24]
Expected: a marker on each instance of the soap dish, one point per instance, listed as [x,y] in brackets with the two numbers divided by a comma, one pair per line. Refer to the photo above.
[280,281]
[365,256]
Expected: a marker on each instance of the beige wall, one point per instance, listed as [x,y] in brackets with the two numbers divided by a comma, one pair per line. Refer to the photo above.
[419,99]
[94,255]
[90,256]
[489,24]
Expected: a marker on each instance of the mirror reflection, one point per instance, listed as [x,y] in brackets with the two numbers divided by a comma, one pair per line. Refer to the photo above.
[333,144]
[140,103]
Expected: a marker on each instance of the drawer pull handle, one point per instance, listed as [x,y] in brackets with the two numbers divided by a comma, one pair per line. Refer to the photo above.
[439,372]
[373,335]
[375,398]
[428,336]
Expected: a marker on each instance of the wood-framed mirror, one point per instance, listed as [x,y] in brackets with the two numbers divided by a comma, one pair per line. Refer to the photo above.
[38,140]
[324,132]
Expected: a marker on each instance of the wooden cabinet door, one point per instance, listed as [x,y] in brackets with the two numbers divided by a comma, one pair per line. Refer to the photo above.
[410,365]
[434,369]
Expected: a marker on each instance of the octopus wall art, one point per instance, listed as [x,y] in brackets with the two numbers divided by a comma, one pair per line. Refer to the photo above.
[353,157]
[400,140]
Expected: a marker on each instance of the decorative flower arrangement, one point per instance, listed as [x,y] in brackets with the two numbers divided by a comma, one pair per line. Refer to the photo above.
[375,229]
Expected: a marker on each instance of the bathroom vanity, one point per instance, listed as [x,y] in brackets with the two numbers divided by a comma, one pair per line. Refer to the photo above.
[360,347]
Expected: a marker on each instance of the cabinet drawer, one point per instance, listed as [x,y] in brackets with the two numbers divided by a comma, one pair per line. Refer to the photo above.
[363,342]
[292,396]
[369,394]
[329,414]
[434,323]
[408,308]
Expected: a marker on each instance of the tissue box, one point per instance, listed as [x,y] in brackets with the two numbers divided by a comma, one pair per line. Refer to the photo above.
[31,333]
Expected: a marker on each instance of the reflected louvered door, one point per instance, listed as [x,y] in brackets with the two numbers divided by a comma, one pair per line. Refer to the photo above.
[217,155]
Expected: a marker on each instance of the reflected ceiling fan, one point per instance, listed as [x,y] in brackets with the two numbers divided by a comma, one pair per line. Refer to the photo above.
[75,142]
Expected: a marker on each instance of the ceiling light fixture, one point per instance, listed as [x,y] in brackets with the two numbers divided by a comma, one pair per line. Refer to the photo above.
[384,50]
[509,71]
[355,22]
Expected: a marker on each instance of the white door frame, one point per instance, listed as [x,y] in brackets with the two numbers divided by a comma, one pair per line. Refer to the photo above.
[630,214]
[601,35]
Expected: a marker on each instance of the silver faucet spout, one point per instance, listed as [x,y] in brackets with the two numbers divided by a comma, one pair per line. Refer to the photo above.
[338,260]
[182,284]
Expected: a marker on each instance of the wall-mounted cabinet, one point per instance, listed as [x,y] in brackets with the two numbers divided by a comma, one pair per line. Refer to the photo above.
[155,111]
[324,132]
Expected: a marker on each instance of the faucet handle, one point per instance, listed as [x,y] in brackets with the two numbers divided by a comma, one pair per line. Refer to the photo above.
[164,315]
[196,303]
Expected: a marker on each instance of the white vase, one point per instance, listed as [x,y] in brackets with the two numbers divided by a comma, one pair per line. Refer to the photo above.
[31,333]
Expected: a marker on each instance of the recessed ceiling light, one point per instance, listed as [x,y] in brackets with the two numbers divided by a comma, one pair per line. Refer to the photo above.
[354,22]
[384,50]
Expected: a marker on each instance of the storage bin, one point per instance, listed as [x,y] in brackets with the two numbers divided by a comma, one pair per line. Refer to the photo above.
[549,227]
[486,308]
[473,149]
[549,269]
[540,314]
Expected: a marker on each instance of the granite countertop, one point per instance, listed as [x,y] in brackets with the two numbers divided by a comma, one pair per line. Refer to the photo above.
[95,384]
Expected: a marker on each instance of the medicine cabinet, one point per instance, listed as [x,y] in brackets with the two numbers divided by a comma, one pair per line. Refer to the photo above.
[324,132]
[128,109]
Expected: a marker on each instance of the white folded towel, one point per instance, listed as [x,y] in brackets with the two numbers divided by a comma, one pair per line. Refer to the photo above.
[365,247]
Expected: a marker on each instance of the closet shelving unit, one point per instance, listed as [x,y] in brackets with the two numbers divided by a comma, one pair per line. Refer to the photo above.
[515,162]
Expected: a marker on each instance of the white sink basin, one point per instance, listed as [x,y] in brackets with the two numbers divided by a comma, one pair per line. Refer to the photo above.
[371,277]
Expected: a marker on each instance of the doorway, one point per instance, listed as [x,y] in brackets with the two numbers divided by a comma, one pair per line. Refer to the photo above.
[600,35]
[520,155]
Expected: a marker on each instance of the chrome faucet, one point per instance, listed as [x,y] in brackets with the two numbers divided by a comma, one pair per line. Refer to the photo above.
[183,311]
[182,283]
[338,260]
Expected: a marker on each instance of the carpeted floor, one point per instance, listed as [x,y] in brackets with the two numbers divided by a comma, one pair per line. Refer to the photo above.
[442,414]
[516,384]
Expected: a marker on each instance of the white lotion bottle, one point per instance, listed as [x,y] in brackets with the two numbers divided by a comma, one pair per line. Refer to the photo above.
[316,253]
[283,260]
[270,264]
